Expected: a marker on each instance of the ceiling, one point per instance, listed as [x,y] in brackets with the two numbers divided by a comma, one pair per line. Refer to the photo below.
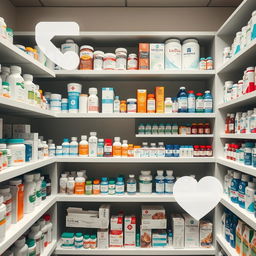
[125,3]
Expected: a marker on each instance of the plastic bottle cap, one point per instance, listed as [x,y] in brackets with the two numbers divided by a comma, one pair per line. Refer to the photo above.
[36,228]
[93,133]
[20,242]
[30,242]
[74,138]
[15,69]
[28,77]
[131,175]
[160,172]
[237,175]
[169,172]
[29,177]
[84,137]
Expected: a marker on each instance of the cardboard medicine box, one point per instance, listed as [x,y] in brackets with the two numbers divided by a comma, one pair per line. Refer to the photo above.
[144,56]
[191,231]
[178,227]
[130,231]
[157,56]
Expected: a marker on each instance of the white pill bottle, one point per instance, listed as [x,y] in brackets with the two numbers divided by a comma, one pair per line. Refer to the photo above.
[190,54]
[172,54]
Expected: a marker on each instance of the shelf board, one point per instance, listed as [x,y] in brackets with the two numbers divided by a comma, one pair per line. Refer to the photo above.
[250,136]
[135,251]
[135,160]
[135,74]
[244,215]
[10,106]
[242,60]
[16,230]
[245,100]
[240,167]
[48,251]
[226,246]
[116,198]
[12,55]
[15,171]
[136,115]
[174,136]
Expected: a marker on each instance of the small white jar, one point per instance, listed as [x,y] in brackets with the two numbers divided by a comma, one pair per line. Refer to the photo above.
[131,105]
[121,58]
[18,150]
[145,181]
[55,102]
[98,60]
[190,54]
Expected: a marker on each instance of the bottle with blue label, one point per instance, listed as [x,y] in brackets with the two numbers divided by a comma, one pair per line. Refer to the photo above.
[74,90]
[176,150]
[227,225]
[119,186]
[241,190]
[159,181]
[65,147]
[208,102]
[232,230]
[182,100]
[168,150]
[191,102]
[248,153]
[169,182]
[104,185]
[250,197]
[234,187]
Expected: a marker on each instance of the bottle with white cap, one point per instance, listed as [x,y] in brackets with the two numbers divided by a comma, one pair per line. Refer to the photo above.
[36,234]
[48,225]
[63,183]
[169,182]
[159,180]
[6,193]
[73,146]
[249,197]
[2,218]
[117,147]
[93,101]
[5,72]
[29,193]
[3,27]
[93,144]
[83,146]
[20,247]
[30,89]
[44,230]
[38,184]
[16,83]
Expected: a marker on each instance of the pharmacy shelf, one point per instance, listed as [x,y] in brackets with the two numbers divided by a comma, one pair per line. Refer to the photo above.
[244,215]
[16,230]
[230,251]
[240,61]
[238,18]
[174,135]
[134,74]
[15,171]
[135,251]
[251,136]
[136,115]
[10,106]
[240,167]
[48,251]
[135,160]
[12,55]
[243,101]
[117,198]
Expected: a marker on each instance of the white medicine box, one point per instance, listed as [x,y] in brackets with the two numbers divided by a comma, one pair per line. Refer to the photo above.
[156,56]
[191,231]
[107,100]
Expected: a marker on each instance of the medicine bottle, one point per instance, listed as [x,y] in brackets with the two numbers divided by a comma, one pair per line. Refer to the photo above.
[112,187]
[116,104]
[63,183]
[100,148]
[36,235]
[104,185]
[31,246]
[29,193]
[131,185]
[30,88]
[2,218]
[6,193]
[132,63]
[79,240]
[73,146]
[59,151]
[93,144]
[93,101]
[151,103]
[79,184]
[121,58]
[145,182]
[96,187]
[83,103]
[86,57]
[3,33]
[70,186]
[38,184]
[124,149]
[83,146]
[117,147]
[119,186]
[123,106]
[88,187]
[108,148]
[109,61]
[98,60]
[65,147]
[20,247]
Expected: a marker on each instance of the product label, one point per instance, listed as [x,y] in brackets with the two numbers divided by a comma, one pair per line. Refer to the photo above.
[73,150]
[119,189]
[159,186]
[182,103]
[93,105]
[84,149]
[117,151]
[191,104]
[93,149]
[208,104]
[73,100]
[104,188]
[200,104]
[79,188]
[131,187]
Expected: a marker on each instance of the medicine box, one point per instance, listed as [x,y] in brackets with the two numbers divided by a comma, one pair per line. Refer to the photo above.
[116,222]
[102,239]
[178,227]
[154,224]
[239,236]
[129,231]
[21,128]
[159,91]
[156,56]
[206,234]
[153,212]
[159,238]
[141,100]
[104,211]
[107,100]
[191,231]
[145,237]
[247,238]
[144,56]
[116,238]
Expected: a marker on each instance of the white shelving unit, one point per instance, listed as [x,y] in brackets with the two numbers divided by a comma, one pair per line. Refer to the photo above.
[135,251]
[226,246]
[10,54]
[241,136]
[174,135]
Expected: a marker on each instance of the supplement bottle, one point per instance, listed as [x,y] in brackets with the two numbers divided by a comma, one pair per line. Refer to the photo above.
[64,105]
[168,105]
[191,102]
[5,73]
[88,187]
[93,101]
[121,58]
[63,183]
[43,228]
[48,224]
[83,103]
[36,235]
[98,60]
[73,147]
[199,103]
[124,149]
[2,218]
[241,190]
[70,186]
[59,151]
[190,54]
[159,181]
[78,240]
[43,188]
[16,83]
[182,100]
[169,182]
[96,187]
[119,186]
[6,193]
[45,149]
[151,103]
[52,150]
[172,54]
[74,91]
[117,147]
[38,184]
[104,185]
[30,89]
[100,148]
[93,144]
[145,182]
[87,241]
[79,184]
[131,185]
[112,187]
[83,146]
[132,62]
[234,187]
[208,102]
[20,247]
[29,193]
[108,148]
[70,45]
[116,104]
[249,196]
[31,247]
[86,57]
[65,147]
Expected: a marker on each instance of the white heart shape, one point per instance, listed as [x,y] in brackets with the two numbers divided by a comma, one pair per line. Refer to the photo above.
[197,198]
